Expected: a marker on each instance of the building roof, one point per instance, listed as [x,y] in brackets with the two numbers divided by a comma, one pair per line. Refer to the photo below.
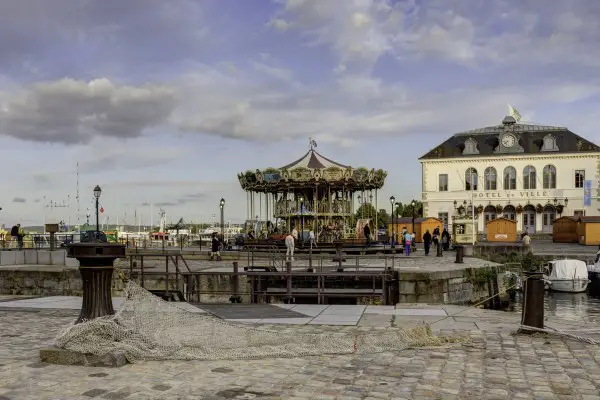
[530,141]
[313,160]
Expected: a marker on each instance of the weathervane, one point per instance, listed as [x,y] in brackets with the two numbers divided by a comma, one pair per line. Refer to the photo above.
[312,143]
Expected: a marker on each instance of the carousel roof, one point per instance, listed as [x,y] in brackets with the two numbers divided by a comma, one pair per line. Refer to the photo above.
[313,160]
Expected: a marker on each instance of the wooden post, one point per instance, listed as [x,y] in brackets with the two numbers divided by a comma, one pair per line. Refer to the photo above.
[142,270]
[533,302]
[288,299]
[235,285]
[167,276]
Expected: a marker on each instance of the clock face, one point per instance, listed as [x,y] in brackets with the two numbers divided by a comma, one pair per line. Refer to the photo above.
[508,141]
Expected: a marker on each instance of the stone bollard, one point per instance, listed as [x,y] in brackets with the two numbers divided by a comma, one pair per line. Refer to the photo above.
[439,252]
[96,268]
[460,251]
[533,302]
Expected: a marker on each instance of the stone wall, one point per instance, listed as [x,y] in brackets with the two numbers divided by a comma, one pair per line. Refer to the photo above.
[447,287]
[33,257]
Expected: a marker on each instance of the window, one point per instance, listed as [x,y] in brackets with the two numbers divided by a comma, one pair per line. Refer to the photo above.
[549,177]
[490,178]
[444,217]
[510,178]
[471,179]
[579,178]
[460,229]
[443,182]
[470,147]
[578,213]
[529,177]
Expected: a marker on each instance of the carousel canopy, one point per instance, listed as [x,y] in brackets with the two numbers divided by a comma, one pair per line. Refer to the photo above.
[313,160]
[310,170]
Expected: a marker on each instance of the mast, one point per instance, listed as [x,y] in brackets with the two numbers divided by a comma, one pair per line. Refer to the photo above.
[78,213]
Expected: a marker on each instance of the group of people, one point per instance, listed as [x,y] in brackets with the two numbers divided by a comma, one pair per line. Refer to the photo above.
[429,239]
[290,242]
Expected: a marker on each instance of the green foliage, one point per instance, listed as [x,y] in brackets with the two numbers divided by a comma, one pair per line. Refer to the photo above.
[529,262]
[407,209]
[368,211]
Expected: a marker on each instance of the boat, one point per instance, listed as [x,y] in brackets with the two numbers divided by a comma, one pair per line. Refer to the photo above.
[567,276]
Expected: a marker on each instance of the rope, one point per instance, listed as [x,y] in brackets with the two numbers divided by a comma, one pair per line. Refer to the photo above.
[548,330]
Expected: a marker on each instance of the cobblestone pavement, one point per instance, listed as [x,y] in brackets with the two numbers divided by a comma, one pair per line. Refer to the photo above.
[494,364]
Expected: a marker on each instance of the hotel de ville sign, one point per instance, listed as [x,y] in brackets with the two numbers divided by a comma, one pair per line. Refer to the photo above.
[524,194]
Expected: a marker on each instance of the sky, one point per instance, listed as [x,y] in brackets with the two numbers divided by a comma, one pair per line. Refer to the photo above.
[163,102]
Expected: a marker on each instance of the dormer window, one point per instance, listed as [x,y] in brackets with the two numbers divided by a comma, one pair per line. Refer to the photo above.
[470,147]
[549,143]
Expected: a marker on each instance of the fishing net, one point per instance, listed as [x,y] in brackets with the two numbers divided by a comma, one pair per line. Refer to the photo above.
[148,328]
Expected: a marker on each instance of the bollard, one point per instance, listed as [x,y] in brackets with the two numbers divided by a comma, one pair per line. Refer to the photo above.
[533,302]
[288,298]
[439,250]
[96,268]
[235,285]
[460,251]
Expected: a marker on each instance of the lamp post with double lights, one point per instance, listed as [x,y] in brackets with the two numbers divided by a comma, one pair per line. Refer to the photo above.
[301,219]
[222,207]
[97,193]
[393,202]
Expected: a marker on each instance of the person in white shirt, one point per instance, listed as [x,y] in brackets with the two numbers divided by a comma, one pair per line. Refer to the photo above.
[295,233]
[289,244]
[311,238]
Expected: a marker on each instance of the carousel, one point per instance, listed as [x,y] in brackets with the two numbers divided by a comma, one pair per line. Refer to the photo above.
[312,193]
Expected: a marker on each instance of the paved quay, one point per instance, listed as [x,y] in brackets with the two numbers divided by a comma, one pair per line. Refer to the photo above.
[493,363]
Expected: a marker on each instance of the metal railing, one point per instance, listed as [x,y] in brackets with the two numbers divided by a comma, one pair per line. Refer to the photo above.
[266,282]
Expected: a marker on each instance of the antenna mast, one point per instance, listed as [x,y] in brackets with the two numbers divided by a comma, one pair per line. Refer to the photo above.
[78,214]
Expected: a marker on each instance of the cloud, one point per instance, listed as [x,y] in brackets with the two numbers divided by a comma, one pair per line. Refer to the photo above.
[486,35]
[75,112]
[88,34]
[188,198]
[19,200]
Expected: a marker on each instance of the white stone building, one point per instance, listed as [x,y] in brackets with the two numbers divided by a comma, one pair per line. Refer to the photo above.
[531,173]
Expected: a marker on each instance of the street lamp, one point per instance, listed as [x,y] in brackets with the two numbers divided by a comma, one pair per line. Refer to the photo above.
[302,218]
[97,193]
[413,215]
[393,201]
[222,207]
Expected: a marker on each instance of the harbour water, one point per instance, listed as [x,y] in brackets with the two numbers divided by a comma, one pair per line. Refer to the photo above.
[568,306]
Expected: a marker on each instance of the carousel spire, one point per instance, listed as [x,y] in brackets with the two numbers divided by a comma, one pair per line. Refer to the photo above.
[312,143]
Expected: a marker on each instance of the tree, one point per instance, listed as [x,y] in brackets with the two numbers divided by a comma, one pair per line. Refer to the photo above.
[368,211]
[407,210]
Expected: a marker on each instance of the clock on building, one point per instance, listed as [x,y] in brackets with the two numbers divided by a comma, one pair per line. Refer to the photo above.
[508,141]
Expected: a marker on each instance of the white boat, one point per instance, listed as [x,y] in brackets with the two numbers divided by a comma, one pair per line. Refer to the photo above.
[569,276]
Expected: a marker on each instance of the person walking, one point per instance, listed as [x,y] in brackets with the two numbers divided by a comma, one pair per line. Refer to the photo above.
[402,235]
[408,237]
[289,245]
[427,241]
[526,240]
[215,247]
[311,238]
[445,240]
[14,236]
[367,232]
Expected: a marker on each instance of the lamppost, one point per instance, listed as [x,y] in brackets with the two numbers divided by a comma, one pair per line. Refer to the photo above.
[97,193]
[302,218]
[413,215]
[222,207]
[393,202]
